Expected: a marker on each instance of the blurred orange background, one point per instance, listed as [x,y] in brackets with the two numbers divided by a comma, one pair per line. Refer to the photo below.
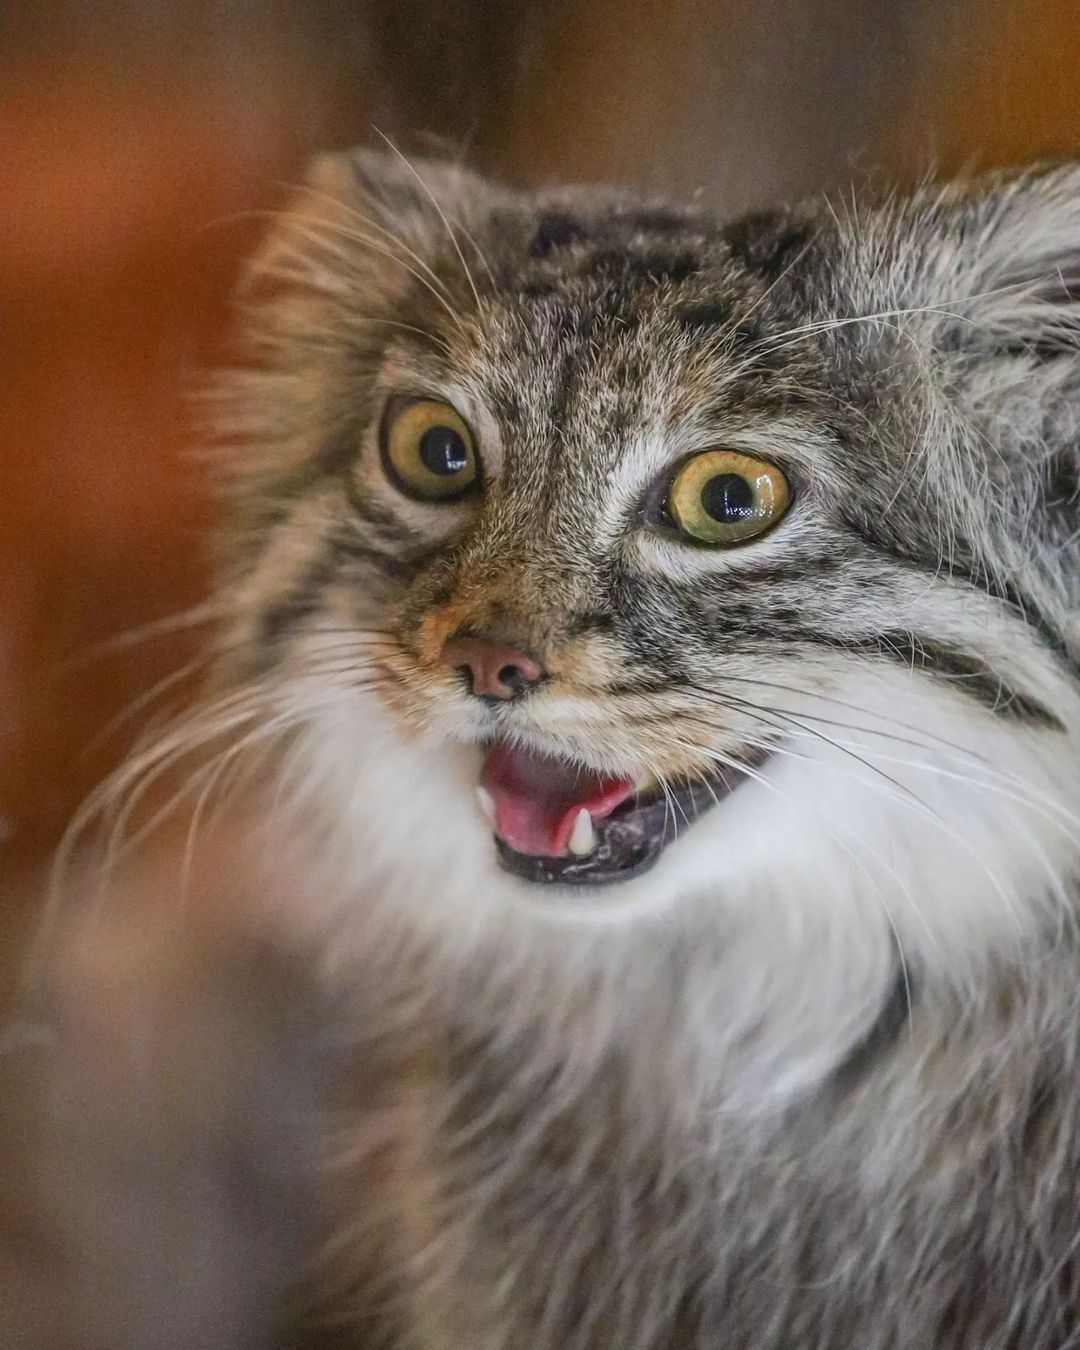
[138,137]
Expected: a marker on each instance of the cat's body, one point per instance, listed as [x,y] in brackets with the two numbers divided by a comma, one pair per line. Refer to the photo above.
[587,1217]
[810,1080]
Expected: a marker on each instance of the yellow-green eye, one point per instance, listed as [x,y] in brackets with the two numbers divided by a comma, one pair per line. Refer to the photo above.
[722,497]
[428,450]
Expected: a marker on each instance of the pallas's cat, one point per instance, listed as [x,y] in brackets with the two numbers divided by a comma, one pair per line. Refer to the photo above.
[670,632]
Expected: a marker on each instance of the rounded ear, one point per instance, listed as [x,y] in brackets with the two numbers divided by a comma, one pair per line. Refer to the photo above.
[418,193]
[362,218]
[1016,238]
[997,265]
[364,229]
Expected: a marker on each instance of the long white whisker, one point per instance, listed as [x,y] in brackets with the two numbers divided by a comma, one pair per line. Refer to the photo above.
[393,239]
[933,744]
[184,735]
[321,232]
[911,802]
[946,309]
[265,731]
[148,696]
[441,213]
[207,611]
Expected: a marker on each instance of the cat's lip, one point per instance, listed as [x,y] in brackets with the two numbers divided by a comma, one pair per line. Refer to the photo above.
[630,839]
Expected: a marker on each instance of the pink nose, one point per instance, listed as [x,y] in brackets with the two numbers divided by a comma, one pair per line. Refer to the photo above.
[492,669]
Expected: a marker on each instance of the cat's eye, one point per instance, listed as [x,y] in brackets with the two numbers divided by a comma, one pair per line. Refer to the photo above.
[723,497]
[427,450]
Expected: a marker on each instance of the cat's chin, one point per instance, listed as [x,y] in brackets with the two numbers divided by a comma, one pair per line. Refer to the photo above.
[630,839]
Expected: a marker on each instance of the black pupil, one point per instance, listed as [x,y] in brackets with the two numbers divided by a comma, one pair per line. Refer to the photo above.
[728,498]
[443,450]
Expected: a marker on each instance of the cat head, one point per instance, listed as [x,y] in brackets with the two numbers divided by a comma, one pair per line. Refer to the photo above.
[605,560]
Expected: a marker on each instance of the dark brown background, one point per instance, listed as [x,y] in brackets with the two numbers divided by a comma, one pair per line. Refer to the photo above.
[136,137]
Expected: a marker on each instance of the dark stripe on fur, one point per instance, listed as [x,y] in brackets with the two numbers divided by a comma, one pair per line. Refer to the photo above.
[301,600]
[1029,611]
[392,566]
[644,685]
[304,596]
[894,1016]
[337,455]
[766,242]
[969,570]
[597,622]
[967,673]
[335,458]
[379,517]
[556,230]
[705,315]
[651,269]
[656,221]
[1062,478]
[775,575]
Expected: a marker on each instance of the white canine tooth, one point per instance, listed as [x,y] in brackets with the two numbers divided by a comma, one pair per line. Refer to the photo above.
[583,836]
[487,804]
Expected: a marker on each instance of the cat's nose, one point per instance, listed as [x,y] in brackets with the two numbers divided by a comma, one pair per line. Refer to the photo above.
[491,668]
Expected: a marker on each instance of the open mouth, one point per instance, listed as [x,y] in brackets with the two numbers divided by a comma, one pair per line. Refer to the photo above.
[557,822]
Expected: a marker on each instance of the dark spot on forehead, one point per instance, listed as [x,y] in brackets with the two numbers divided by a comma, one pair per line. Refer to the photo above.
[557,229]
[656,221]
[767,241]
[711,315]
[708,314]
[651,269]
[537,290]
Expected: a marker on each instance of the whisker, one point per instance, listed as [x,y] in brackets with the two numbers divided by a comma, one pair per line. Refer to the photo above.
[393,239]
[1029,799]
[204,613]
[311,232]
[945,309]
[441,213]
[932,743]
[853,707]
[759,777]
[143,701]
[181,736]
[156,767]
[742,705]
[912,802]
[221,762]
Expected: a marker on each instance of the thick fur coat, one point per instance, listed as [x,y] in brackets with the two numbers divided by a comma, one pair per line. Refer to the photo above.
[812,1080]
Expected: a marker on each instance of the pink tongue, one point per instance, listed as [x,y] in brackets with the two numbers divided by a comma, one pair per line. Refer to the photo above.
[537,797]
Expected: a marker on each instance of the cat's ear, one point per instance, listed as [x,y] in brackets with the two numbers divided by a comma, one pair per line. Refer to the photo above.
[1000,276]
[364,230]
[1009,249]
[366,218]
[418,196]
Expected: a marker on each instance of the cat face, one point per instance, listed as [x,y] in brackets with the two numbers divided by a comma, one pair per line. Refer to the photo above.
[608,559]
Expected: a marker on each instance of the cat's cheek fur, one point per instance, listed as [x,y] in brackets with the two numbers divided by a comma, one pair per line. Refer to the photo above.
[853,851]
